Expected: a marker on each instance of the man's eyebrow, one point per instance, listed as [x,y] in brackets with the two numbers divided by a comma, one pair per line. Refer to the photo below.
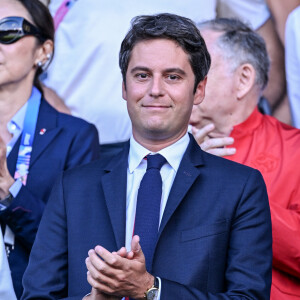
[139,68]
[169,70]
[175,70]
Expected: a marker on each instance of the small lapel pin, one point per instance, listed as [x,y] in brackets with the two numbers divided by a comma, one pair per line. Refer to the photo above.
[42,131]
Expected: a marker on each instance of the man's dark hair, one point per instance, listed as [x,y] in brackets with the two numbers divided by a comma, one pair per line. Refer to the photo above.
[172,27]
[239,44]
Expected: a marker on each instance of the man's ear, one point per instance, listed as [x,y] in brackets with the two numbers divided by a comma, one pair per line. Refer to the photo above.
[200,91]
[124,92]
[245,80]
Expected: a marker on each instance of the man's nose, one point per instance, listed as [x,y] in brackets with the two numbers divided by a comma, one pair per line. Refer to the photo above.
[157,87]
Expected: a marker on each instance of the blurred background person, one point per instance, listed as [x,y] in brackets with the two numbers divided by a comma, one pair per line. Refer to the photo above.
[45,2]
[36,142]
[257,14]
[292,63]
[228,123]
[280,11]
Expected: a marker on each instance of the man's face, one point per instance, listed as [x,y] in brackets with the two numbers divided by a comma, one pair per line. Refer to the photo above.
[159,91]
[219,100]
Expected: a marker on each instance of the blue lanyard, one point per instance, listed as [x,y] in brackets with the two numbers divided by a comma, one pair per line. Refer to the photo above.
[25,148]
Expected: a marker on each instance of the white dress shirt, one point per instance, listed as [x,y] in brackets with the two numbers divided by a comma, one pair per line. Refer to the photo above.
[137,166]
[15,128]
[6,286]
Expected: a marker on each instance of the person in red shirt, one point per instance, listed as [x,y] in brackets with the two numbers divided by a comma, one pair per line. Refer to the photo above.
[228,123]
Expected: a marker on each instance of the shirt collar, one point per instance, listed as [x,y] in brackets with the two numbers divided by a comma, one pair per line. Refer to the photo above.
[173,153]
[17,121]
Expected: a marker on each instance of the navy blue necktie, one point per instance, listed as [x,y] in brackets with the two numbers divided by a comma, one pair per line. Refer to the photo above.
[148,207]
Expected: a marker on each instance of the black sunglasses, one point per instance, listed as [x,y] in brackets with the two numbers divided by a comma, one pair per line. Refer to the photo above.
[14,28]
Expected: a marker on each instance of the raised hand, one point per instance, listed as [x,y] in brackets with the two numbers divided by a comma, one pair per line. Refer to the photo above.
[6,180]
[216,146]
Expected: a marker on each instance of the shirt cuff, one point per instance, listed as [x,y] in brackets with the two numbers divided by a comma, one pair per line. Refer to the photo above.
[89,294]
[14,191]
[159,289]
[15,188]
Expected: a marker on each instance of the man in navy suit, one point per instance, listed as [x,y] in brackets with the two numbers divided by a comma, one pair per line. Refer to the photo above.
[214,235]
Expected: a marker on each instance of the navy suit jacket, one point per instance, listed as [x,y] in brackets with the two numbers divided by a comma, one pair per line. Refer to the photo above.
[67,142]
[214,239]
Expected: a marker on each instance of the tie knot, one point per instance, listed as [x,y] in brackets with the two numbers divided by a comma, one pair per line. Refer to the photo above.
[155,161]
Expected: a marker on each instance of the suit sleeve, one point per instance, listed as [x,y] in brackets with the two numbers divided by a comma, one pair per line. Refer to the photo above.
[24,214]
[286,247]
[46,276]
[84,148]
[249,260]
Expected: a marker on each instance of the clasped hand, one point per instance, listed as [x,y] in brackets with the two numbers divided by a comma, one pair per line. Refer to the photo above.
[114,275]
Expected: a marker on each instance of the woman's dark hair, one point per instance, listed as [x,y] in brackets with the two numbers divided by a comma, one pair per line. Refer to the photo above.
[43,21]
[179,29]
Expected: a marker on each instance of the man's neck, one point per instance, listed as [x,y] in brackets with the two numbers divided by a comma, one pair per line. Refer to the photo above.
[224,126]
[155,144]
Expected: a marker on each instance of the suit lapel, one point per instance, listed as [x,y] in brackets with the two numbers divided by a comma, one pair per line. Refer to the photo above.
[47,123]
[186,175]
[114,184]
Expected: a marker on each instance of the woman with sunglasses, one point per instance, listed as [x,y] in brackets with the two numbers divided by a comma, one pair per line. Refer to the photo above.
[36,141]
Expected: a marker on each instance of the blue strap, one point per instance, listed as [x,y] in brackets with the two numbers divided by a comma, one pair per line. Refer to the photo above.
[25,148]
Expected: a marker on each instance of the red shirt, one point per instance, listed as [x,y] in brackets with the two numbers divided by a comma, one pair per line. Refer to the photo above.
[264,143]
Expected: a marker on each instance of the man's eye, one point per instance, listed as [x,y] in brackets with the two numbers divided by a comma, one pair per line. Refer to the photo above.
[141,75]
[173,77]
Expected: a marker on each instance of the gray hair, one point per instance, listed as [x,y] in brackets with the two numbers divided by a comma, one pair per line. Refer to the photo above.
[239,44]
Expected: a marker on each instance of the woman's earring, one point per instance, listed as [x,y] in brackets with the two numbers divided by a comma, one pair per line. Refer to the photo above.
[39,64]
